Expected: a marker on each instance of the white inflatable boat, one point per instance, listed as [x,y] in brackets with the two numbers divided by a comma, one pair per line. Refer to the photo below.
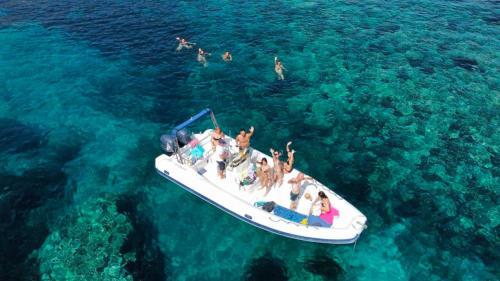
[189,161]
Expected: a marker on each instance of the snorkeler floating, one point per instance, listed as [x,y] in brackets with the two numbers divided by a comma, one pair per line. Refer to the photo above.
[183,43]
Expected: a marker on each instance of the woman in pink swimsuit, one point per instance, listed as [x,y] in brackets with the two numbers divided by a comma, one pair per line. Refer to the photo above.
[325,219]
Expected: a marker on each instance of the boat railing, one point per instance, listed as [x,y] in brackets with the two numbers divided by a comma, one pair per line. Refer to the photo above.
[179,150]
[186,150]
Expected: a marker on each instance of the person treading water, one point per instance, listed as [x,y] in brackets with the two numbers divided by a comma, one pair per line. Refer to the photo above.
[183,43]
[278,68]
[202,56]
[227,56]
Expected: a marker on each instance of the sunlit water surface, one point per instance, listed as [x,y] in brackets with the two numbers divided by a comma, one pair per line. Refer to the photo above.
[393,104]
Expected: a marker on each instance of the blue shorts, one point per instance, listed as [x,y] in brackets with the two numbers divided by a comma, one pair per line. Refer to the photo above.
[222,165]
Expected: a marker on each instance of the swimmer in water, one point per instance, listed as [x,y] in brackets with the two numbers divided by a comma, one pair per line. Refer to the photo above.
[278,68]
[183,43]
[227,56]
[202,56]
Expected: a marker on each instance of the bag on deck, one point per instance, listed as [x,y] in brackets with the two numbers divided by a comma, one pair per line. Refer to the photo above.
[269,206]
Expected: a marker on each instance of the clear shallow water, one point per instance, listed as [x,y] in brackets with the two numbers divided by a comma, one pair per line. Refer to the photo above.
[394,105]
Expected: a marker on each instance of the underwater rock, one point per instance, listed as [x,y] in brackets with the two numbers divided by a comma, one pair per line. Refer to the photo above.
[324,266]
[465,63]
[427,69]
[17,137]
[387,28]
[27,202]
[266,268]
[403,74]
[149,263]
[415,62]
[87,244]
[408,208]
[106,238]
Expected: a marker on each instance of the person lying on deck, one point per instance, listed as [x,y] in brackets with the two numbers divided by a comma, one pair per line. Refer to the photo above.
[325,219]
[295,192]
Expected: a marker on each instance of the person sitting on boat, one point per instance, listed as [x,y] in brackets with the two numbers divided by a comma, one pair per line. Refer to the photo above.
[243,141]
[288,165]
[277,168]
[183,43]
[221,154]
[278,68]
[227,56]
[264,174]
[202,56]
[325,219]
[296,188]
[217,135]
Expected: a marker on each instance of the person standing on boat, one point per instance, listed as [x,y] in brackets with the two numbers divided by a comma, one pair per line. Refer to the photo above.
[183,43]
[278,68]
[288,165]
[221,155]
[243,141]
[325,219]
[264,174]
[277,167]
[217,135]
[202,56]
[296,188]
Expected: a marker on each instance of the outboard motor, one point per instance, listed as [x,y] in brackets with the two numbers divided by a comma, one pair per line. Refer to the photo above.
[168,144]
[183,137]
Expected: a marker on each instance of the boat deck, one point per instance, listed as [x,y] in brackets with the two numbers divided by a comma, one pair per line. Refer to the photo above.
[207,167]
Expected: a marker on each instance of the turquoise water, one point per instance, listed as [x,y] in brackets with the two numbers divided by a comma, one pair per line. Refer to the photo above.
[394,104]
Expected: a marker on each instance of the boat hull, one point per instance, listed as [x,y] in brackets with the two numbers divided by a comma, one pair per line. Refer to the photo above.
[248,219]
